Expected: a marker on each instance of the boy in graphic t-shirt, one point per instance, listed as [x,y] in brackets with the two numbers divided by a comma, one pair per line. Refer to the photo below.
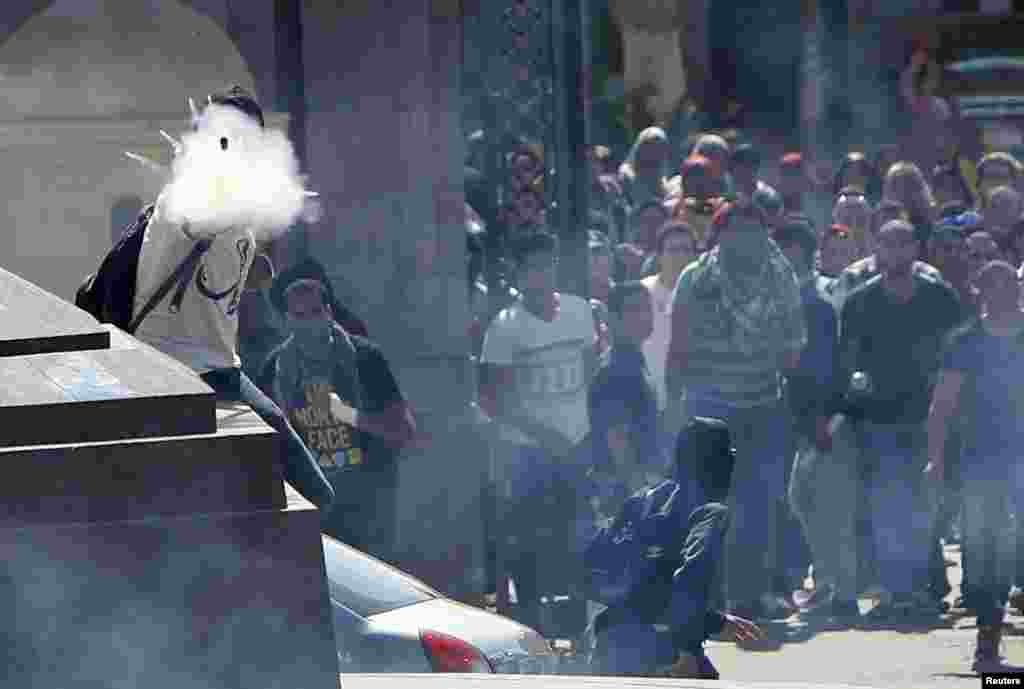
[340,395]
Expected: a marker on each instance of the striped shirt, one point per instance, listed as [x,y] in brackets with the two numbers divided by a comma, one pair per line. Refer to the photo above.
[717,367]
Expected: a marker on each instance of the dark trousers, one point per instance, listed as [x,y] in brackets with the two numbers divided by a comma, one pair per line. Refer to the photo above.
[901,506]
[628,642]
[867,559]
[363,514]
[300,468]
[535,519]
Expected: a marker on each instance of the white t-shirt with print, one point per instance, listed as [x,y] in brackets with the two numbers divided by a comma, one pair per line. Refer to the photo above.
[203,332]
[549,364]
[655,347]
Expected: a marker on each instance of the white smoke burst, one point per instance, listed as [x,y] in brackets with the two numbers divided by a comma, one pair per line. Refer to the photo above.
[229,172]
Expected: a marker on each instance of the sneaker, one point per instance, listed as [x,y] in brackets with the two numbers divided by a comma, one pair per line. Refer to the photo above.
[961,603]
[689,666]
[809,601]
[891,608]
[686,666]
[1017,599]
[707,668]
[845,610]
[986,652]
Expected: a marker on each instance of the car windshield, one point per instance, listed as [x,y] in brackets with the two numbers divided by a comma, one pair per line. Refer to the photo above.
[367,586]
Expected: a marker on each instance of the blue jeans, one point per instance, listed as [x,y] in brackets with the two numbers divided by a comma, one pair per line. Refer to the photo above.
[990,540]
[758,487]
[300,468]
[630,644]
[901,510]
[538,523]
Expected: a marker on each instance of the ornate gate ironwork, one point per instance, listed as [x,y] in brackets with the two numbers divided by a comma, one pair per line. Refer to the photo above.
[523,83]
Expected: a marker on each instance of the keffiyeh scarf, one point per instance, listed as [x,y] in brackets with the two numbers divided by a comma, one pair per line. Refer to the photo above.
[756,299]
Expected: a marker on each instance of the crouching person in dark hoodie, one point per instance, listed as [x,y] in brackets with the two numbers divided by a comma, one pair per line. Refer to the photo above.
[653,565]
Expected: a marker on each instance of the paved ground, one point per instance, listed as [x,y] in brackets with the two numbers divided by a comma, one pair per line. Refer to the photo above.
[917,656]
[920,655]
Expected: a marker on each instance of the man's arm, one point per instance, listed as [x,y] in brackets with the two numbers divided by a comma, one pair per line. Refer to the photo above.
[945,399]
[385,412]
[794,324]
[811,386]
[395,424]
[678,350]
[600,414]
[591,361]
[849,341]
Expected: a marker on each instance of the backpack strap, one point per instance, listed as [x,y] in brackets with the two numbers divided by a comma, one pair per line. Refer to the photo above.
[180,277]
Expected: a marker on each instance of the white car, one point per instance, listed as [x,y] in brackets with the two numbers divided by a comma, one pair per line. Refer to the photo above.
[386,621]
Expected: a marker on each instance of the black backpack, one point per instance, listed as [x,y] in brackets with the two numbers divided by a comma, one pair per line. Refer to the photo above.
[109,293]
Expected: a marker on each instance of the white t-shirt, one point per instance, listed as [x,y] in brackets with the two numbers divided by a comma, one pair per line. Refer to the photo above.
[549,364]
[655,347]
[203,332]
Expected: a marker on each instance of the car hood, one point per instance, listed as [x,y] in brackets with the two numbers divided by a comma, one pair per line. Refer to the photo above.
[504,642]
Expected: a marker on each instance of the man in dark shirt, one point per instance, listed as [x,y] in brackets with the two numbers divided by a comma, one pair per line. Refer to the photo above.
[624,452]
[624,381]
[893,329]
[338,391]
[980,379]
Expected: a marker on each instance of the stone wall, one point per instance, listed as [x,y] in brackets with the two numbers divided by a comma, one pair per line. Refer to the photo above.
[385,150]
[84,81]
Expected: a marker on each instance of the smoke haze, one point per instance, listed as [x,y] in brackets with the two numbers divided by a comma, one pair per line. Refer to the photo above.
[232,173]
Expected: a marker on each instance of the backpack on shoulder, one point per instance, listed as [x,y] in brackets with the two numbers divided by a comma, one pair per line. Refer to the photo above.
[109,293]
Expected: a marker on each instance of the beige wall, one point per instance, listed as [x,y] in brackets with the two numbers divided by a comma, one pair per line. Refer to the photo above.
[84,81]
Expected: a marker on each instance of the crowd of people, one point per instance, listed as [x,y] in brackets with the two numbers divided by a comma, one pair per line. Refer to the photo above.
[861,335]
[771,376]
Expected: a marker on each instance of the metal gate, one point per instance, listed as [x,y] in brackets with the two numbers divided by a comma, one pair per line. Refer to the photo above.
[522,74]
[523,66]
